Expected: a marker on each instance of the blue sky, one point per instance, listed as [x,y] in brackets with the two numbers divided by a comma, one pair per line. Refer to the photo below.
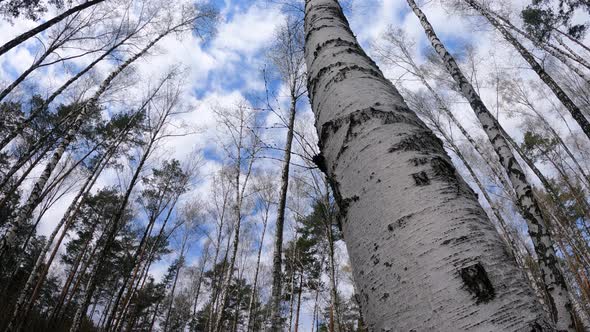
[227,69]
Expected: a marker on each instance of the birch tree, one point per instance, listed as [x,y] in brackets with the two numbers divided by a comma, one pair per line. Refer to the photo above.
[391,176]
[46,25]
[287,56]
[88,107]
[243,149]
[567,102]
[560,305]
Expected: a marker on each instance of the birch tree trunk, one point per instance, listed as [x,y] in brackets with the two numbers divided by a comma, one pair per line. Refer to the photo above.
[234,252]
[198,290]
[577,42]
[44,26]
[113,229]
[66,219]
[33,200]
[334,297]
[257,270]
[547,47]
[277,260]
[172,291]
[298,310]
[560,304]
[530,59]
[245,157]
[424,254]
[33,115]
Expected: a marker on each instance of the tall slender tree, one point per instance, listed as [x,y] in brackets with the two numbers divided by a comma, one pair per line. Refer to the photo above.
[46,25]
[287,56]
[88,107]
[560,304]
[567,102]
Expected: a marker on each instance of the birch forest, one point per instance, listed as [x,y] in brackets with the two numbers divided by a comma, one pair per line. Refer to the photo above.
[294,165]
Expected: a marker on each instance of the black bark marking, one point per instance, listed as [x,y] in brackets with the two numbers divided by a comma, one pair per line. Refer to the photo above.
[341,74]
[419,161]
[375,259]
[384,297]
[421,178]
[541,326]
[443,169]
[345,203]
[455,241]
[320,162]
[338,42]
[361,116]
[477,282]
[422,141]
[400,223]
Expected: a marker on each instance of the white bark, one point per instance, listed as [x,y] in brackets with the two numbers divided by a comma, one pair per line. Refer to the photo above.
[530,59]
[278,243]
[548,263]
[424,255]
[33,200]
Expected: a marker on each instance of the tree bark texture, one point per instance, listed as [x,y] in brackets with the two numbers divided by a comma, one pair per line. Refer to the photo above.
[560,303]
[424,254]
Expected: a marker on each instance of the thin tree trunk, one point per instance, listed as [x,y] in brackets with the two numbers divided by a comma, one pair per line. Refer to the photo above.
[70,279]
[127,300]
[552,276]
[33,200]
[577,42]
[255,282]
[278,245]
[572,54]
[230,269]
[26,73]
[315,308]
[198,290]
[66,220]
[105,313]
[33,115]
[57,313]
[554,51]
[299,302]
[530,59]
[333,287]
[111,233]
[239,192]
[154,317]
[174,284]
[135,263]
[291,297]
[42,27]
[410,224]
[217,280]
